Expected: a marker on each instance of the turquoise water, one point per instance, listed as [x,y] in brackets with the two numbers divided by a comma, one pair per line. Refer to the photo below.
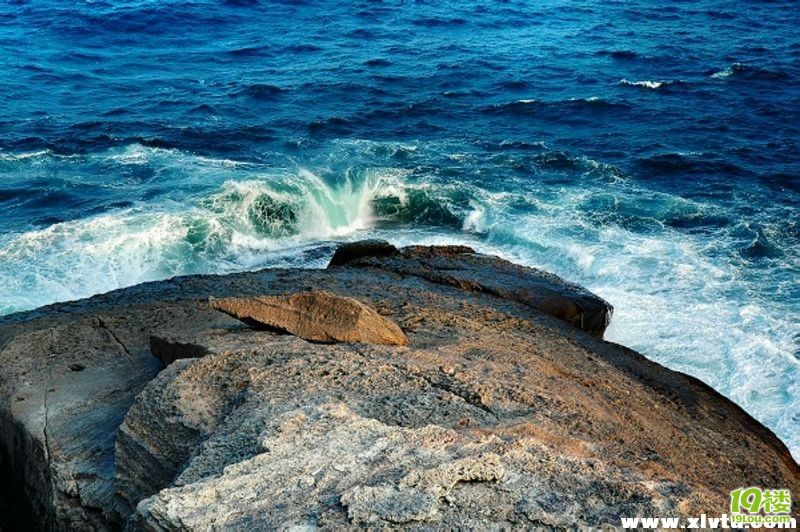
[647,152]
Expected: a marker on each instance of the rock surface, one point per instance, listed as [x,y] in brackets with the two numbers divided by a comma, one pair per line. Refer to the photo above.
[316,316]
[460,266]
[504,409]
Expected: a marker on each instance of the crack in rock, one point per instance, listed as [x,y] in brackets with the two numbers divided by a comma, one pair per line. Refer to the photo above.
[45,434]
[102,324]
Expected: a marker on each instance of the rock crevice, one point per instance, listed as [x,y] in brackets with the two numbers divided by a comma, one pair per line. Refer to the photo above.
[102,324]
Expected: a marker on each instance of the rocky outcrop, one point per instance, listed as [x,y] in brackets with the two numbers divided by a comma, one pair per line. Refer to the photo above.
[353,251]
[316,316]
[460,266]
[147,408]
[66,383]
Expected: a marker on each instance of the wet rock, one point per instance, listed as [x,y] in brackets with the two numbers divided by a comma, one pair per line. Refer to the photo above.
[354,251]
[316,316]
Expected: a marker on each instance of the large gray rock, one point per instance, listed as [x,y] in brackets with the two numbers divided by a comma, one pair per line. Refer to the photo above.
[66,383]
[496,413]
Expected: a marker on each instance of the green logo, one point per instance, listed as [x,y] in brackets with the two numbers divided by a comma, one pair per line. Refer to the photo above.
[755,500]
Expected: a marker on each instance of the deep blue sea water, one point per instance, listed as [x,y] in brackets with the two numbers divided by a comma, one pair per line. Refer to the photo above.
[649,151]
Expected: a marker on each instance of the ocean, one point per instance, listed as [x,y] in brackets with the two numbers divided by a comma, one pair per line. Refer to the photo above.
[648,151]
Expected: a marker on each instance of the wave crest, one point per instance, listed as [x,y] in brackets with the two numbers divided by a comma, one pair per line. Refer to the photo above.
[749,72]
[646,84]
[236,226]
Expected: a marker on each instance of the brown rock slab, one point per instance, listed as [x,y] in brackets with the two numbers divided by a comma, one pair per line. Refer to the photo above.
[316,316]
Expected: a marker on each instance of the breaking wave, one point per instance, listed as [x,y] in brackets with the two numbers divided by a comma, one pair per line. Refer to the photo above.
[221,215]
[646,84]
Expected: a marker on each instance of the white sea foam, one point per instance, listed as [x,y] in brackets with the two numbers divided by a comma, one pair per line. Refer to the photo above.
[22,156]
[475,220]
[76,259]
[646,84]
[728,72]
